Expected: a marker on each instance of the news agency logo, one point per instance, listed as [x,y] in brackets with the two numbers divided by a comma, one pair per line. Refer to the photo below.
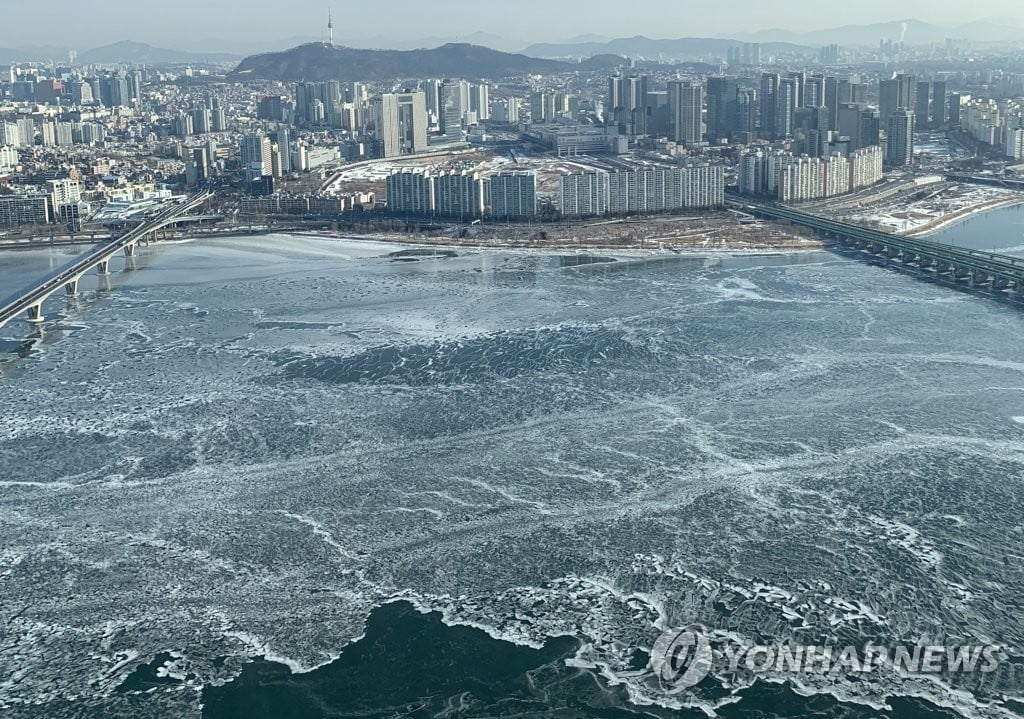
[682,657]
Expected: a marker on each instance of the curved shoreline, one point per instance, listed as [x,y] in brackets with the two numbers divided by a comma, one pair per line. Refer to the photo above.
[556,247]
[942,223]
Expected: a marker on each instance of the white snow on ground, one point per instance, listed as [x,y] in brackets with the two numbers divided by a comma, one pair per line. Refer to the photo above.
[546,167]
[922,212]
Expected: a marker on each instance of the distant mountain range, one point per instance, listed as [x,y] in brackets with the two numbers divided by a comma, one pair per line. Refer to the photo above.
[688,48]
[136,52]
[33,54]
[913,32]
[317,61]
[125,52]
[226,51]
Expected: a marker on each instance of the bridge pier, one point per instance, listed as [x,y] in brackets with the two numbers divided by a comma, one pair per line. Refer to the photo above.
[72,286]
[35,313]
[31,302]
[968,269]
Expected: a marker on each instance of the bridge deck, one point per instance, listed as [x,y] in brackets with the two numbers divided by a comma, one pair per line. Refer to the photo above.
[36,293]
[1006,267]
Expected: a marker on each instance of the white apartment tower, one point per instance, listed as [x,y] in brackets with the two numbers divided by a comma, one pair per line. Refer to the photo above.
[513,194]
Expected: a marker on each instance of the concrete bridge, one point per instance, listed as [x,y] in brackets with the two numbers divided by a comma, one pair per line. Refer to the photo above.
[30,300]
[181,221]
[993,180]
[1002,274]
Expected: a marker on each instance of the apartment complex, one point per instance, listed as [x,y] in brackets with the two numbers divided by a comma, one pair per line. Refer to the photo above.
[443,194]
[791,178]
[643,190]
[513,194]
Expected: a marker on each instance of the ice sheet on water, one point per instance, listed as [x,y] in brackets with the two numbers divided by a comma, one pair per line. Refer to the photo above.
[531,450]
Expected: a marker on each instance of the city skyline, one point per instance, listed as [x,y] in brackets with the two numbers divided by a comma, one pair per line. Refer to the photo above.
[234,26]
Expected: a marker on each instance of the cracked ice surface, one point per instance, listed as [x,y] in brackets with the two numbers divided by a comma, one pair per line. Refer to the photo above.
[246,446]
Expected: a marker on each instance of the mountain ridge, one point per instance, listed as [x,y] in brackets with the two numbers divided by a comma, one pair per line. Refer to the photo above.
[318,61]
[127,52]
[910,30]
[641,45]
[130,52]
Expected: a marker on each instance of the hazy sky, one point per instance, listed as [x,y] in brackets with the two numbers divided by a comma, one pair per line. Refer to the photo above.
[88,23]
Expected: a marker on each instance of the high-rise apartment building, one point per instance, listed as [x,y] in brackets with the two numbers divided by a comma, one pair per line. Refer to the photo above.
[685,102]
[626,104]
[400,120]
[454,105]
[940,104]
[895,94]
[791,178]
[922,105]
[480,101]
[643,190]
[1014,146]
[284,149]
[768,100]
[255,155]
[9,135]
[899,151]
[9,159]
[451,194]
[270,108]
[513,194]
[583,194]
[459,194]
[24,209]
[746,112]
[787,99]
[432,91]
[723,108]
[411,191]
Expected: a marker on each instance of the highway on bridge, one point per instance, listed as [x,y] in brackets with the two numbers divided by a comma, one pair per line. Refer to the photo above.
[31,299]
[975,268]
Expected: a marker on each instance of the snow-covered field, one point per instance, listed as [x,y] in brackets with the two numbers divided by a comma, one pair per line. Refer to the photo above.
[957,202]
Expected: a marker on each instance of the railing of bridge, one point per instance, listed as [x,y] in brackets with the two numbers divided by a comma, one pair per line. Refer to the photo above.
[992,264]
[993,259]
[53,282]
